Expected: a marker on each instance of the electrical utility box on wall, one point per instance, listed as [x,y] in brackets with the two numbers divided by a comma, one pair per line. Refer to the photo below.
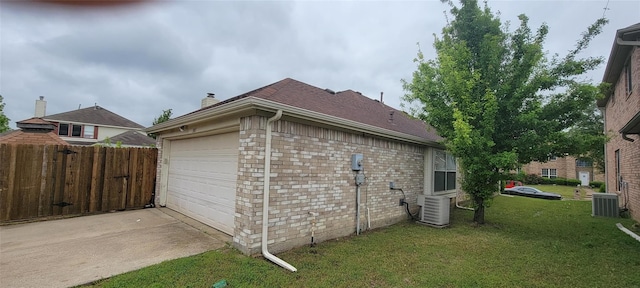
[356,162]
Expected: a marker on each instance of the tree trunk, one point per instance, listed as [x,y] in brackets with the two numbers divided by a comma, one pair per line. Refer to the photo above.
[478,213]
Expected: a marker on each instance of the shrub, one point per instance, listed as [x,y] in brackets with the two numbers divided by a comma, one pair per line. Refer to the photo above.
[603,189]
[596,184]
[573,182]
[547,181]
[532,179]
[559,181]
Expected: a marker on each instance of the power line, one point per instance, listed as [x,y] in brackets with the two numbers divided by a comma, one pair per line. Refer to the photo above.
[606,7]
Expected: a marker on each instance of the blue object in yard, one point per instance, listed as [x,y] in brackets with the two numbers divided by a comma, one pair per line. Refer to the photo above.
[220,284]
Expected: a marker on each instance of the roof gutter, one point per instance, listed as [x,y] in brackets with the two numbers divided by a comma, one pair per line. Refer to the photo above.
[265,198]
[630,128]
[621,42]
[292,111]
[612,58]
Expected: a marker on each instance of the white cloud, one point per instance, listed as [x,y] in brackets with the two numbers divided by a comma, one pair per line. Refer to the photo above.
[139,60]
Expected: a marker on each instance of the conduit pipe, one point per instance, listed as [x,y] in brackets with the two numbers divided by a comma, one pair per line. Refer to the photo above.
[462,207]
[265,199]
[358,209]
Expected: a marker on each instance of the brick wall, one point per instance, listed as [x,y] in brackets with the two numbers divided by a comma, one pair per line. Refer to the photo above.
[620,108]
[311,172]
[560,164]
[566,168]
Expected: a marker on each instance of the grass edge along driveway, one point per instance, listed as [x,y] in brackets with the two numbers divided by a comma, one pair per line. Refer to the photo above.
[525,243]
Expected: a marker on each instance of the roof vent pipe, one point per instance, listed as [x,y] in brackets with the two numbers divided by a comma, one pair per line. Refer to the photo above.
[265,199]
[381,93]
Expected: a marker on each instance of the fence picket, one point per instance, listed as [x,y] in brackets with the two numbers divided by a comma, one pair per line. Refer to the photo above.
[34,178]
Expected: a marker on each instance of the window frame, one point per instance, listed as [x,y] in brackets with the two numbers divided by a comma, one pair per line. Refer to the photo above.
[73,130]
[584,163]
[449,171]
[60,129]
[549,175]
[85,131]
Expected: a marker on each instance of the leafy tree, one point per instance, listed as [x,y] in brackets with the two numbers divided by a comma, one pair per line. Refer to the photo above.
[164,116]
[497,98]
[590,139]
[4,121]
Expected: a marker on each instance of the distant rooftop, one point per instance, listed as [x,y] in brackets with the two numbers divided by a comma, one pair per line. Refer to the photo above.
[94,115]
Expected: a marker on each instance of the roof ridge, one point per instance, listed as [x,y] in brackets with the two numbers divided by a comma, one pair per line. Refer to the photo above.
[102,117]
[345,105]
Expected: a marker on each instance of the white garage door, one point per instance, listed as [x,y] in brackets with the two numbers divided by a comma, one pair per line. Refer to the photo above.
[202,179]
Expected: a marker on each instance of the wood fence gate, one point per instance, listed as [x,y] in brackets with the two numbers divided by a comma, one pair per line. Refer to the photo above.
[39,181]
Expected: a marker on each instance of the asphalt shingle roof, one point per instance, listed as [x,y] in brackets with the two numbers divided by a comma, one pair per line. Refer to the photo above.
[132,138]
[349,104]
[25,137]
[94,115]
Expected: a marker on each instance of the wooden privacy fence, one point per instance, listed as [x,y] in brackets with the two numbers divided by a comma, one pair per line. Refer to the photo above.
[38,181]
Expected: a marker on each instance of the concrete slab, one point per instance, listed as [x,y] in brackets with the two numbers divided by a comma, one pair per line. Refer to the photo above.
[68,252]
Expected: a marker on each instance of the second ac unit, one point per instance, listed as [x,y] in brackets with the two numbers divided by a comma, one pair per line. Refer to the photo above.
[605,204]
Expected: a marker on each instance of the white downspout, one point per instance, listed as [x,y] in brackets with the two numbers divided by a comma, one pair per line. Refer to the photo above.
[265,199]
[603,110]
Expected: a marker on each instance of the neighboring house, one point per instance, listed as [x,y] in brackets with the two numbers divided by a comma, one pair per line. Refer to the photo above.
[621,108]
[87,126]
[212,164]
[32,131]
[565,167]
[129,139]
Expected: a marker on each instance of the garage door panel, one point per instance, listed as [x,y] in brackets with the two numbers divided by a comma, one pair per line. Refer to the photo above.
[202,179]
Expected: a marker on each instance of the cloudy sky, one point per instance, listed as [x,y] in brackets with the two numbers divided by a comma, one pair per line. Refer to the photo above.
[137,60]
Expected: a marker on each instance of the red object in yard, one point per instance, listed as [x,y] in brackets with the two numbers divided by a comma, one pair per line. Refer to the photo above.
[512,183]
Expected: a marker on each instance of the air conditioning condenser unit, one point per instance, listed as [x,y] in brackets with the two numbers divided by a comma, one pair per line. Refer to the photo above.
[435,210]
[605,204]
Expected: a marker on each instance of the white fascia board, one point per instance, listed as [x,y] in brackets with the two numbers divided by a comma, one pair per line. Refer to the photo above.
[253,103]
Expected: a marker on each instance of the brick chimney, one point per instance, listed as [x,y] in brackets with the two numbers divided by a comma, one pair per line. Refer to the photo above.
[209,100]
[41,107]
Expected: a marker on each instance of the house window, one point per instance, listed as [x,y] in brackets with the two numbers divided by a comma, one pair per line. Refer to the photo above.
[618,177]
[549,173]
[63,129]
[628,77]
[444,167]
[583,163]
[76,130]
[553,158]
[88,132]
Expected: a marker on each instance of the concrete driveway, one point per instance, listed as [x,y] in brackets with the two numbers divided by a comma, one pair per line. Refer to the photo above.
[68,252]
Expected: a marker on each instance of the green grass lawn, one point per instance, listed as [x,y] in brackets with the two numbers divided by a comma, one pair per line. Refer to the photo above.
[525,243]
